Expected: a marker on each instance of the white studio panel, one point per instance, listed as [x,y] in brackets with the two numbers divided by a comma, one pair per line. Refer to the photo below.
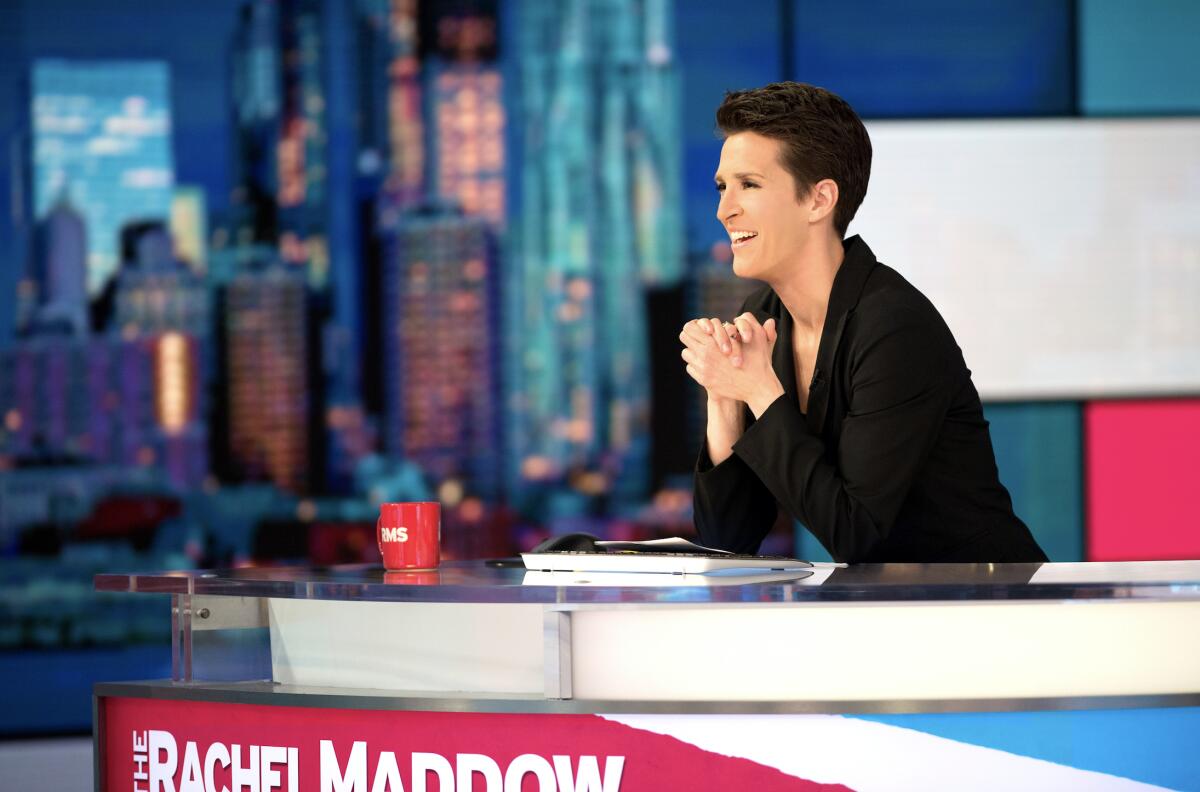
[423,646]
[1064,254]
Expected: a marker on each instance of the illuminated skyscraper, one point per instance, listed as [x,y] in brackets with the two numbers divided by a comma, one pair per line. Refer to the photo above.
[302,192]
[469,147]
[285,162]
[406,125]
[46,400]
[297,145]
[467,141]
[601,218]
[265,316]
[179,409]
[101,132]
[441,349]
[189,228]
[158,301]
[106,400]
[301,147]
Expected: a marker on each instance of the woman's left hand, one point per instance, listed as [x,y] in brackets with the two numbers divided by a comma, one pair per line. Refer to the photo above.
[753,381]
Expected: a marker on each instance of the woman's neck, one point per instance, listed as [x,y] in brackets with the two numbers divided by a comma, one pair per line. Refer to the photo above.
[806,288]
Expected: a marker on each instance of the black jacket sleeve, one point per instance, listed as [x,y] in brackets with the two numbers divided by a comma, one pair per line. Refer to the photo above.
[902,386]
[732,508]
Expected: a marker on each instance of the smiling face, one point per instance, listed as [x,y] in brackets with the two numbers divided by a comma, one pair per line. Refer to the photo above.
[767,223]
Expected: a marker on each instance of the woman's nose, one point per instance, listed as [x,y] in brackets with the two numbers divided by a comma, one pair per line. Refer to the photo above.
[727,208]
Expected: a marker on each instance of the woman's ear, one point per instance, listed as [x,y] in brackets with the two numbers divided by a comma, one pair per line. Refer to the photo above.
[824,197]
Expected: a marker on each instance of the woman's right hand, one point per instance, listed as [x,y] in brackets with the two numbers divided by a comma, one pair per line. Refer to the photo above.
[726,417]
[701,332]
[729,334]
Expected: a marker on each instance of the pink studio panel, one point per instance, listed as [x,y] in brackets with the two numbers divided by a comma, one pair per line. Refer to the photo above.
[1143,479]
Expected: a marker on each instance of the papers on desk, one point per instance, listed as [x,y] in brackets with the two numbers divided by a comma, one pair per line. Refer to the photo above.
[671,544]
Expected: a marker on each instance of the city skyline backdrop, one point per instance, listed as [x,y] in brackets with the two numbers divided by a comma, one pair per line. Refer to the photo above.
[227,347]
[266,263]
[451,234]
[277,300]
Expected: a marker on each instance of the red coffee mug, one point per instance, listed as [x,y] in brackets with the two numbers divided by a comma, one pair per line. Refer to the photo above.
[409,535]
[413,577]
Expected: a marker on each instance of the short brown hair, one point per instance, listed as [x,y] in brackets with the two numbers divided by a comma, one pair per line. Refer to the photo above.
[822,137]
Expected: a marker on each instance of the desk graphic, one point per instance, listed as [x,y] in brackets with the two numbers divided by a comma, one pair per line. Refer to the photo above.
[881,677]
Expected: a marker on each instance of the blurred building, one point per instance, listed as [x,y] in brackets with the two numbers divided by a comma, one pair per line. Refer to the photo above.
[60,272]
[295,170]
[101,134]
[105,400]
[442,347]
[255,70]
[600,220]
[72,398]
[286,172]
[374,51]
[467,135]
[265,322]
[159,299]
[469,143]
[302,193]
[154,292]
[393,128]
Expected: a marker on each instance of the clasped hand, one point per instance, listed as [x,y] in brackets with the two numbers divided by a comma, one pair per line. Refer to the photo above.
[732,361]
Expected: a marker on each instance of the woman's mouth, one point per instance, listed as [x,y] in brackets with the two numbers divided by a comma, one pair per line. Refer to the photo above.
[739,239]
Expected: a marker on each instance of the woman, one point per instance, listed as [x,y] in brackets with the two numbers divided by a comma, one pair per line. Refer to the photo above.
[839,393]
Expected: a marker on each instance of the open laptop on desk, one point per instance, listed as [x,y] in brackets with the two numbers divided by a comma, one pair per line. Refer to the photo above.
[674,555]
[726,577]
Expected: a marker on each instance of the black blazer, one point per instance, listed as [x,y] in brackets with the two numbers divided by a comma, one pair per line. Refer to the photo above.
[892,462]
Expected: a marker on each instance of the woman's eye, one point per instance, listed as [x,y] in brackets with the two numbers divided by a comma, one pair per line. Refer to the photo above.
[748,184]
[720,188]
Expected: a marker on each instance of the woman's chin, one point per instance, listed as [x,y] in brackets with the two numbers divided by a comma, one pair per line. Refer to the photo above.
[743,268]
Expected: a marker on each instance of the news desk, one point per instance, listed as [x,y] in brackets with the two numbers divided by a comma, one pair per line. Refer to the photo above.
[943,676]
